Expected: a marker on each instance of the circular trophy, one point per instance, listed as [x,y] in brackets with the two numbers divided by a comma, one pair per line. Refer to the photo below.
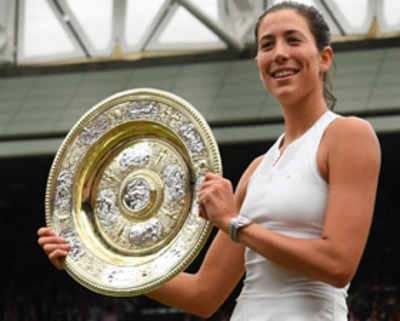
[123,191]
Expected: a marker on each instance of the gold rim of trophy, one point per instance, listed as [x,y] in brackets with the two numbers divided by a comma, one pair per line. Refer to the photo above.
[123,191]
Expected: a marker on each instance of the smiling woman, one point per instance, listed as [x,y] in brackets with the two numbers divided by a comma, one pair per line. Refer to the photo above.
[300,217]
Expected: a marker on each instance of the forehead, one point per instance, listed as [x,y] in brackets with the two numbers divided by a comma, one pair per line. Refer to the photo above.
[283,20]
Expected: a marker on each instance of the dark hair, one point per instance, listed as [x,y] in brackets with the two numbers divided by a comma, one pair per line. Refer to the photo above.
[319,29]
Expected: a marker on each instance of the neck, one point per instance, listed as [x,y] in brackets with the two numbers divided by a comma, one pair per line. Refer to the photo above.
[299,117]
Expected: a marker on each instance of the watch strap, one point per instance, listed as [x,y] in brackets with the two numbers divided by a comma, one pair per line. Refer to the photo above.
[237,223]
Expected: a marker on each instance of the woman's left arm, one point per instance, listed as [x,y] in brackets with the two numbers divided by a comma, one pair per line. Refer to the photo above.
[352,158]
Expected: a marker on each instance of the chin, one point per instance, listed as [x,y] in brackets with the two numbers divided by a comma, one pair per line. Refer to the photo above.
[286,97]
[291,100]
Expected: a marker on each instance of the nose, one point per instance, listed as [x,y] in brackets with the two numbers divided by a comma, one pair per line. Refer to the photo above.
[281,54]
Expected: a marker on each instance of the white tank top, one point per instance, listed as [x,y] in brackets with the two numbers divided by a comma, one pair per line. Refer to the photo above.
[287,194]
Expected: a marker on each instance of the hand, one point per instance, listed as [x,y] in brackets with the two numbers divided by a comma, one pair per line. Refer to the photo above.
[216,201]
[55,247]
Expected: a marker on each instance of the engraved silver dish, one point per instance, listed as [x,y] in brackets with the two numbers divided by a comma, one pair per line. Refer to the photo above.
[123,191]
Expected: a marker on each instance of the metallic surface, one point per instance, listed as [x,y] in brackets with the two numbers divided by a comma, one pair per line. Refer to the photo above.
[123,191]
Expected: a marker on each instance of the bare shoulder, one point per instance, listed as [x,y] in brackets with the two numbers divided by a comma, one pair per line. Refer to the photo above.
[352,136]
[348,130]
[344,126]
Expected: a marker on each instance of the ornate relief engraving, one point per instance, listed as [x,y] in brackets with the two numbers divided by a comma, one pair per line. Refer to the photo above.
[136,156]
[63,195]
[118,113]
[141,233]
[147,110]
[106,207]
[94,130]
[137,194]
[174,182]
[192,138]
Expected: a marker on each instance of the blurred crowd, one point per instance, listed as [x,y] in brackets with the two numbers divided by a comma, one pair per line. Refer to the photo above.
[52,303]
[56,302]
[376,299]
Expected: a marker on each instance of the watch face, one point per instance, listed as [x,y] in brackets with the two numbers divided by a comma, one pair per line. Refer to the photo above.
[123,191]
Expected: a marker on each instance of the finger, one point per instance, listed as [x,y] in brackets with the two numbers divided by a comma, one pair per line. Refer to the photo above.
[57,258]
[203,197]
[216,182]
[203,211]
[58,254]
[51,240]
[51,248]
[45,231]
[207,184]
[210,175]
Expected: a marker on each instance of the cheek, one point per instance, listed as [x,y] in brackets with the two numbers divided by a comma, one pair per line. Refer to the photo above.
[262,66]
[259,61]
[310,63]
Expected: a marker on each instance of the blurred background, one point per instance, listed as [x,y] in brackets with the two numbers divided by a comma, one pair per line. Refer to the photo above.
[58,58]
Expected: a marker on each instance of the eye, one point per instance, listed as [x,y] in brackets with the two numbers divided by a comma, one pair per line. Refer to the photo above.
[293,40]
[266,45]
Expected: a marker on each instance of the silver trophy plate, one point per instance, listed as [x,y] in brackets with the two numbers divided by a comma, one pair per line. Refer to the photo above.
[123,191]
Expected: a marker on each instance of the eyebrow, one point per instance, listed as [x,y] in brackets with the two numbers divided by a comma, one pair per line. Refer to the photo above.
[286,33]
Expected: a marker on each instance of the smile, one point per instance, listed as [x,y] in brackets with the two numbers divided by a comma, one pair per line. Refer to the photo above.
[283,73]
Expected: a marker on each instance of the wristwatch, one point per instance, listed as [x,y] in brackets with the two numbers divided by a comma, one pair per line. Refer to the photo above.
[237,223]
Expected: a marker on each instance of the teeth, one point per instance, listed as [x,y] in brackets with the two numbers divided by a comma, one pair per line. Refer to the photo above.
[284,73]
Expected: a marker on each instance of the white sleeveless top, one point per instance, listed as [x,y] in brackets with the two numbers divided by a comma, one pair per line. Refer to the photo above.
[287,194]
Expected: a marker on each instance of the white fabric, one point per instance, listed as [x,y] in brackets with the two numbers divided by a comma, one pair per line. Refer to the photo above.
[287,194]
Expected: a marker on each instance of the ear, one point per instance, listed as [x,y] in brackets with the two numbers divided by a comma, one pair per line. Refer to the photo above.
[256,57]
[326,56]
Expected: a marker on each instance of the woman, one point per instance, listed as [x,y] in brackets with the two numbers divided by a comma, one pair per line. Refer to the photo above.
[301,213]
